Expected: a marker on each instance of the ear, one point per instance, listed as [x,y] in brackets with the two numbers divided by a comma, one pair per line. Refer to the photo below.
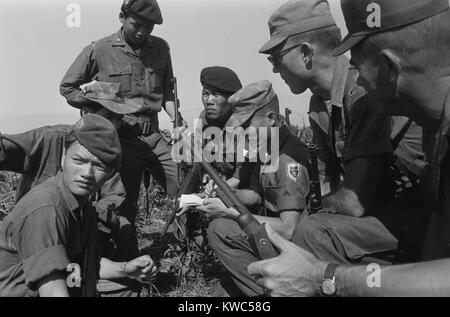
[121,17]
[391,66]
[307,51]
[63,157]
[272,118]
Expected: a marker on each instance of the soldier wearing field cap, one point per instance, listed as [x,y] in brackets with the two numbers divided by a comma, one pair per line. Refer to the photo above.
[397,46]
[353,137]
[281,185]
[46,230]
[141,63]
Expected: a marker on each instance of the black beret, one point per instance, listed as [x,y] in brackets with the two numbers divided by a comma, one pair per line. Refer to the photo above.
[221,79]
[99,137]
[145,9]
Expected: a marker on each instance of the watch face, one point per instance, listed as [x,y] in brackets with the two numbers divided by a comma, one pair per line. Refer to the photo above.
[328,287]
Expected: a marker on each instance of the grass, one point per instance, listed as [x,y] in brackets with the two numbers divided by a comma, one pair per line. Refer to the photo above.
[187,269]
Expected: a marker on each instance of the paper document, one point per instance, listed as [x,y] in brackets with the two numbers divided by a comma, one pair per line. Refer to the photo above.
[190,201]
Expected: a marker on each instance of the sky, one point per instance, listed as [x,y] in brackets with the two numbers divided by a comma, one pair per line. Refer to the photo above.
[39,46]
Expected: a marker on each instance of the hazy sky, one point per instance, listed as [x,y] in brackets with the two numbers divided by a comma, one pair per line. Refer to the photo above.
[39,46]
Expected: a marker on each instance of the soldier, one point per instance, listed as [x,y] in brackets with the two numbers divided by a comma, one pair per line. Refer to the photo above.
[141,63]
[354,138]
[46,230]
[37,154]
[401,65]
[284,190]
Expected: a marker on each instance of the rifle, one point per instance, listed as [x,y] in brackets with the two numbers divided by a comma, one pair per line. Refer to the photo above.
[176,124]
[90,264]
[187,187]
[256,233]
[315,204]
[287,113]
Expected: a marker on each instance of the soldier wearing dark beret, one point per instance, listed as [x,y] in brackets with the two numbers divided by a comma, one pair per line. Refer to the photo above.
[46,230]
[398,46]
[141,63]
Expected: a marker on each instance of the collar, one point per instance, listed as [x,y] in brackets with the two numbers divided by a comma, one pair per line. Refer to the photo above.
[67,195]
[119,41]
[339,81]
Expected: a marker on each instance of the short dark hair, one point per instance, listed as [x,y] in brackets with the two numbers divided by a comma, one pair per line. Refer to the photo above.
[328,38]
[69,139]
[422,45]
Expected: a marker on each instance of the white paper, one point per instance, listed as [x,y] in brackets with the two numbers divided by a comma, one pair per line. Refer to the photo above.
[190,201]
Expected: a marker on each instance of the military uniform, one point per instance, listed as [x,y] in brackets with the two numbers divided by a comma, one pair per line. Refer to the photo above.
[346,127]
[146,78]
[42,235]
[48,228]
[282,183]
[37,154]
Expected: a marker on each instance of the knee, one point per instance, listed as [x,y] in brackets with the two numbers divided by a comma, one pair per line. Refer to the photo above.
[309,230]
[219,230]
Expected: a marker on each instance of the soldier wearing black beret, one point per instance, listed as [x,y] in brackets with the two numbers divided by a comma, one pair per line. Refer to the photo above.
[46,230]
[142,64]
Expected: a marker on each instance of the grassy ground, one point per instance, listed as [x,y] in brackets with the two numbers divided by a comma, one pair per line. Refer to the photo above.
[187,269]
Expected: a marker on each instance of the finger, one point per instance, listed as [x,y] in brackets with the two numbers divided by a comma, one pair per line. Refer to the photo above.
[257,268]
[182,212]
[279,242]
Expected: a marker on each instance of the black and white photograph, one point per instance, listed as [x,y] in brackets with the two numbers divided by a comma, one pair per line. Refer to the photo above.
[225,152]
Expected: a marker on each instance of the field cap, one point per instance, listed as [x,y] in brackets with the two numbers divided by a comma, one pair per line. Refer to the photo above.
[393,14]
[247,101]
[296,17]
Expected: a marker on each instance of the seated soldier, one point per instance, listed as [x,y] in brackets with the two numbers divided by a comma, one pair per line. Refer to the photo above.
[354,138]
[37,154]
[284,189]
[47,229]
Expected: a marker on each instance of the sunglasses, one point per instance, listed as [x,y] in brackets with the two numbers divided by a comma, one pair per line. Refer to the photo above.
[275,59]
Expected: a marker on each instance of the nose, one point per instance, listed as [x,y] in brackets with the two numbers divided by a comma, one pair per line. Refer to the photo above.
[87,171]
[210,99]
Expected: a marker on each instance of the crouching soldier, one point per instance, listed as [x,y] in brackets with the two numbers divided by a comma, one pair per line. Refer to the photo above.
[47,229]
[284,190]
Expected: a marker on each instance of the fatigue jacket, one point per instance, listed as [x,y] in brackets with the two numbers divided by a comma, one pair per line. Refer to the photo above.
[36,155]
[146,76]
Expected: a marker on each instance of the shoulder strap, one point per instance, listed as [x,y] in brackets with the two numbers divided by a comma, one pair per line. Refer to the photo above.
[398,138]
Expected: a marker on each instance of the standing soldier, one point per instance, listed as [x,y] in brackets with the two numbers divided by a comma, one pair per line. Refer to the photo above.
[402,65]
[141,63]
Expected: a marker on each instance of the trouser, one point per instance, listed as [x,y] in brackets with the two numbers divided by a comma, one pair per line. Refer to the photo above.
[139,153]
[120,246]
[333,238]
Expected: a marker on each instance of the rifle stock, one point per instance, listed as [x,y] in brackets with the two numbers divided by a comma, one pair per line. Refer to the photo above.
[255,231]
[90,265]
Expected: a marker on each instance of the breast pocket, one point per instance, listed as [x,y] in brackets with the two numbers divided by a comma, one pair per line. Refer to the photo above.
[120,73]
[155,79]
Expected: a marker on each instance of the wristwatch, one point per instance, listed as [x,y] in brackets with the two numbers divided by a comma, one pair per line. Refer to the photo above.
[329,280]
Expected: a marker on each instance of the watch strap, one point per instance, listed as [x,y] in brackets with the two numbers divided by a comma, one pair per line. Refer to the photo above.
[330,271]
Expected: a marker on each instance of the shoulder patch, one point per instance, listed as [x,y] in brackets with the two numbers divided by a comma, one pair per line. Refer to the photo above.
[293,171]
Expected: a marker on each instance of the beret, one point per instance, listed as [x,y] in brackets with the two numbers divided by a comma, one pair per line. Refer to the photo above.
[99,137]
[221,79]
[145,9]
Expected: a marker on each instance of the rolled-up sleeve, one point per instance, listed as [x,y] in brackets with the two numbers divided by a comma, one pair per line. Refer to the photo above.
[41,239]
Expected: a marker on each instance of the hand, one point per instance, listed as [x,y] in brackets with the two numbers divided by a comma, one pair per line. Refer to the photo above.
[295,272]
[142,268]
[85,87]
[184,209]
[210,188]
[215,208]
